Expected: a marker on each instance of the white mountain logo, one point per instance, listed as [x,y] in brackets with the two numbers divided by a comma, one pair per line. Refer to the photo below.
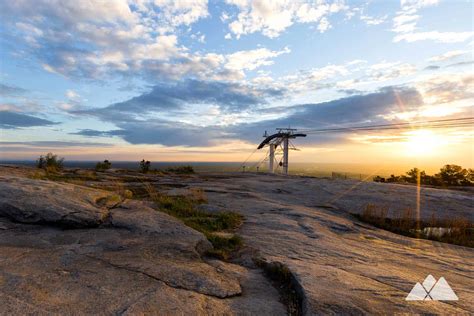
[432,290]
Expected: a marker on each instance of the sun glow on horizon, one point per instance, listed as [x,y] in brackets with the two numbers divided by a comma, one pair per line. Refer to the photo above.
[421,143]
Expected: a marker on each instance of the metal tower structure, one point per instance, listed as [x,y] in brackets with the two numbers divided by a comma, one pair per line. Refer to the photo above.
[281,138]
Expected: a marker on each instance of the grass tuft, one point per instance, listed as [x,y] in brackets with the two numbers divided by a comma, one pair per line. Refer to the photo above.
[224,246]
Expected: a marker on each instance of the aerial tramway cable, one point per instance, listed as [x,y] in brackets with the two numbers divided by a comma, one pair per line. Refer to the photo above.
[290,133]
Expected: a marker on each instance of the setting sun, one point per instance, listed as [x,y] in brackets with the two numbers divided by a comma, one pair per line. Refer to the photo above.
[421,142]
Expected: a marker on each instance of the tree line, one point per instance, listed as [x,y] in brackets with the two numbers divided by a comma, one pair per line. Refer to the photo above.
[52,163]
[449,175]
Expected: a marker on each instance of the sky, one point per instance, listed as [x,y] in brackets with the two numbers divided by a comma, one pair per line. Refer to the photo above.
[202,81]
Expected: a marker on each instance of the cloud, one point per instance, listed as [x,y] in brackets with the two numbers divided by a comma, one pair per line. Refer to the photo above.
[371,20]
[99,41]
[271,18]
[461,63]
[11,91]
[252,59]
[405,25]
[446,88]
[355,109]
[349,111]
[53,144]
[155,131]
[442,37]
[181,95]
[182,12]
[12,120]
[417,4]
[447,56]
[71,94]
[92,39]
[389,70]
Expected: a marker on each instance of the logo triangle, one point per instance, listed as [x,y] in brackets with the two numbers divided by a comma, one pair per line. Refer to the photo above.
[418,293]
[443,292]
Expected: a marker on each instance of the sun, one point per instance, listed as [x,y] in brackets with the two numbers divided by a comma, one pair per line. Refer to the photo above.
[421,143]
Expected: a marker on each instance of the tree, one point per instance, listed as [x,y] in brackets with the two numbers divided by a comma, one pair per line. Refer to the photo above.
[469,177]
[412,175]
[50,163]
[378,179]
[393,179]
[452,175]
[144,166]
[102,166]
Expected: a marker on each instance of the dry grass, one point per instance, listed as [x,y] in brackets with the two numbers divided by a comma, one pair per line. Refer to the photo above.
[67,177]
[458,231]
[198,195]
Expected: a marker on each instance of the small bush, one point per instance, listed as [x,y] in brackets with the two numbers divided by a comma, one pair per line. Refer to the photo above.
[50,163]
[102,166]
[144,166]
[181,170]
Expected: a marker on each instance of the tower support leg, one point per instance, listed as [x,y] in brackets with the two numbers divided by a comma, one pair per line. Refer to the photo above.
[285,155]
[271,159]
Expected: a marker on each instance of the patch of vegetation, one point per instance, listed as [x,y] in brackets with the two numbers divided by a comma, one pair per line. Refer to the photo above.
[457,231]
[109,201]
[50,163]
[181,170]
[72,178]
[102,166]
[209,223]
[223,246]
[144,166]
[449,175]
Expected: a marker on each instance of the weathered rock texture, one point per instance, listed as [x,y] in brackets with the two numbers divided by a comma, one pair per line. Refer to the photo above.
[72,250]
[341,265]
[64,249]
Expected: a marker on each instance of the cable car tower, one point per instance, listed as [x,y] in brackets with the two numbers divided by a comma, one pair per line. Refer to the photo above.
[281,138]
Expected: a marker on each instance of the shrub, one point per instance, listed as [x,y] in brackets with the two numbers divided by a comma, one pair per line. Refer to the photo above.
[144,166]
[102,166]
[379,179]
[50,163]
[181,170]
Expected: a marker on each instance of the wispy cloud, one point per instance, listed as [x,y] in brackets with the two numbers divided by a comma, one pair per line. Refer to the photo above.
[406,20]
[11,91]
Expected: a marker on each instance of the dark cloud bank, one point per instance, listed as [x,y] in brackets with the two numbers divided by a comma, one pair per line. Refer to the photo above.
[351,110]
[11,120]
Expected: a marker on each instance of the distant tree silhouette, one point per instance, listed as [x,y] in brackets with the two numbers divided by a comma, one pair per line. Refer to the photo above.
[101,166]
[470,177]
[449,175]
[393,179]
[50,163]
[144,166]
[412,175]
[453,175]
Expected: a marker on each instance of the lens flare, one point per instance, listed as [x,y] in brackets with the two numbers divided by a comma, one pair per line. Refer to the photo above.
[421,143]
